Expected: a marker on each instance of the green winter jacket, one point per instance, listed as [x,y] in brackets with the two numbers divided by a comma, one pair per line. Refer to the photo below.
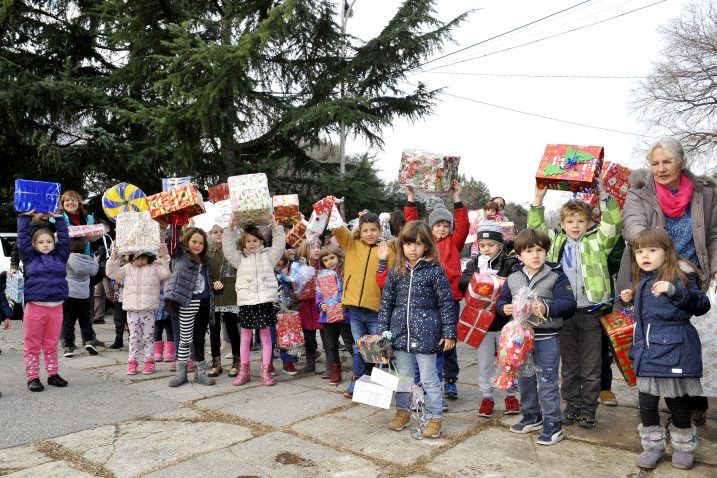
[595,246]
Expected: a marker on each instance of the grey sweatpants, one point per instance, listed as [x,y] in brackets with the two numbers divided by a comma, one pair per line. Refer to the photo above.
[580,342]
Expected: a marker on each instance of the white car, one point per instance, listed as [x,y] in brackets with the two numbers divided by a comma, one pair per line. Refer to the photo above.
[7,242]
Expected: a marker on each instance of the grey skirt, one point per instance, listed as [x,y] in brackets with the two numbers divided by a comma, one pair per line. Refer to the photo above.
[669,387]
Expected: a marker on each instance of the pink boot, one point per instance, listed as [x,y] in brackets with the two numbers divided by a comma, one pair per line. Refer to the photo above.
[131,367]
[266,377]
[158,350]
[169,351]
[148,367]
[191,365]
[243,376]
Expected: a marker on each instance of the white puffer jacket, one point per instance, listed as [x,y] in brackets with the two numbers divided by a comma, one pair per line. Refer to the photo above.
[255,279]
[141,284]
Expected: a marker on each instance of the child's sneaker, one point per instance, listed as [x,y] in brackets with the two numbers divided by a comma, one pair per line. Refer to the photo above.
[35,385]
[571,414]
[528,424]
[552,434]
[56,381]
[587,418]
[289,368]
[69,351]
[451,390]
[608,398]
[512,405]
[433,428]
[400,421]
[149,367]
[132,367]
[486,408]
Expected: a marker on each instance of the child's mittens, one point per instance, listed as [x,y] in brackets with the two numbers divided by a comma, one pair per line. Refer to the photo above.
[387,335]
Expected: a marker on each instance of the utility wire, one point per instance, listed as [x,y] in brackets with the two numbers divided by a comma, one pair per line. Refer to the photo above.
[548,37]
[503,34]
[596,77]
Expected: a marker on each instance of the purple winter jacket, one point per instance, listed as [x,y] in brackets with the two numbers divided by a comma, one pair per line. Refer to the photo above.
[45,274]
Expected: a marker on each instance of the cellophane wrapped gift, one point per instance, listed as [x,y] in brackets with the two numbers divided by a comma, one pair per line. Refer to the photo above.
[473,324]
[616,180]
[171,183]
[289,335]
[297,234]
[428,172]
[570,167]
[305,281]
[516,341]
[137,232]
[90,231]
[220,192]
[250,199]
[38,196]
[15,288]
[483,291]
[176,205]
[329,283]
[286,208]
[620,327]
[375,349]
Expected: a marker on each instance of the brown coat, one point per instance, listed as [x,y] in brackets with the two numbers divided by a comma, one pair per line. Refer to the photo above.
[642,211]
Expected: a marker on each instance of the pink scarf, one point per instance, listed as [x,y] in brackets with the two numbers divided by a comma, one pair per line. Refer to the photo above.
[674,205]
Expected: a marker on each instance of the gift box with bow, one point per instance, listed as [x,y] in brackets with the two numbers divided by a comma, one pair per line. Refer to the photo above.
[570,167]
[473,324]
[176,205]
[250,199]
[483,291]
[286,208]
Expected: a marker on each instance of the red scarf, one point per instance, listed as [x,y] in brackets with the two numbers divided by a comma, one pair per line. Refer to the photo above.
[675,204]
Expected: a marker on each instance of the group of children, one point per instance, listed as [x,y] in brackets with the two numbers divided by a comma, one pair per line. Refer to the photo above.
[407,289]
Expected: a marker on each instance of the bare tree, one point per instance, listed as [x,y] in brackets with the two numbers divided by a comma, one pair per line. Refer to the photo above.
[680,94]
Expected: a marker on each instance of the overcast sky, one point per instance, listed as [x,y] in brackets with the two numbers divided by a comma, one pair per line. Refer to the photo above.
[503,148]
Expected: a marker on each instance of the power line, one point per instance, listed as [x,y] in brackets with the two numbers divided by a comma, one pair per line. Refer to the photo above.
[503,34]
[597,77]
[548,37]
[547,117]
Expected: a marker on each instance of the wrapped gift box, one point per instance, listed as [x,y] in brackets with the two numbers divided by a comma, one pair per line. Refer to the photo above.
[296,234]
[428,171]
[91,231]
[620,327]
[286,208]
[15,288]
[250,199]
[616,180]
[592,199]
[325,205]
[370,393]
[137,232]
[570,167]
[329,283]
[176,205]
[220,192]
[473,324]
[37,195]
[171,183]
[483,291]
[391,379]
[289,335]
[375,349]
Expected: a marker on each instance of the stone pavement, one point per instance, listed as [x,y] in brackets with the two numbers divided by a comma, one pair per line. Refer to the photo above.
[108,424]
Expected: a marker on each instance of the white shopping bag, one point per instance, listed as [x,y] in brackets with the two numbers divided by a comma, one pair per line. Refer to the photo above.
[373,394]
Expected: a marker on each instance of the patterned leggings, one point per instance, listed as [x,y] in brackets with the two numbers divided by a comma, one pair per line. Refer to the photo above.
[141,327]
[193,322]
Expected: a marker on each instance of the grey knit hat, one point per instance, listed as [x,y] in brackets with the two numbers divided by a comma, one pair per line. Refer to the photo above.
[440,213]
[490,230]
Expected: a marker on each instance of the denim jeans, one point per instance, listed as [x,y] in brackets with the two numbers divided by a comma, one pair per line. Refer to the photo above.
[363,322]
[429,378]
[541,391]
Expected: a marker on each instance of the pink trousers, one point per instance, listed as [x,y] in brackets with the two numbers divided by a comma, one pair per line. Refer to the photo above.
[41,331]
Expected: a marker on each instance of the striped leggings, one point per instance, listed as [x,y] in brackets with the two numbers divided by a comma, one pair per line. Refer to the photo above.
[193,322]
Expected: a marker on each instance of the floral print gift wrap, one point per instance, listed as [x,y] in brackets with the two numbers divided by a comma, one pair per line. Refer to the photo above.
[428,171]
[250,199]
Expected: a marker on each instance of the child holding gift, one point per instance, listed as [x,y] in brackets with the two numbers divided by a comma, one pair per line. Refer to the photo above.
[141,276]
[666,351]
[362,295]
[417,308]
[582,249]
[450,232]
[282,271]
[539,393]
[45,263]
[332,264]
[310,251]
[256,288]
[492,253]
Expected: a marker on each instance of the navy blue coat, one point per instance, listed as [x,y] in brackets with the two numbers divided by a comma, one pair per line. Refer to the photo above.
[665,343]
[45,274]
[6,311]
[417,326]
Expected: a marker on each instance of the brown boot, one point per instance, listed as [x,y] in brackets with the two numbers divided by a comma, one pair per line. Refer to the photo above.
[310,365]
[433,428]
[215,369]
[335,377]
[400,421]
[234,371]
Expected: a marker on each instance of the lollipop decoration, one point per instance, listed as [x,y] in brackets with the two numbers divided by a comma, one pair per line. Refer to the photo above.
[516,340]
[123,197]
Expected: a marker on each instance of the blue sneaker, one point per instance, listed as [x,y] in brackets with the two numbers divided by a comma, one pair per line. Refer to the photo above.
[552,434]
[528,424]
[349,393]
[451,391]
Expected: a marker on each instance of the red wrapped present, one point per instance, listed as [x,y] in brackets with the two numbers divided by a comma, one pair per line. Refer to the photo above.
[620,327]
[286,208]
[176,205]
[324,206]
[329,283]
[297,234]
[91,231]
[593,200]
[220,192]
[289,335]
[483,291]
[570,167]
[616,180]
[428,171]
[473,325]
